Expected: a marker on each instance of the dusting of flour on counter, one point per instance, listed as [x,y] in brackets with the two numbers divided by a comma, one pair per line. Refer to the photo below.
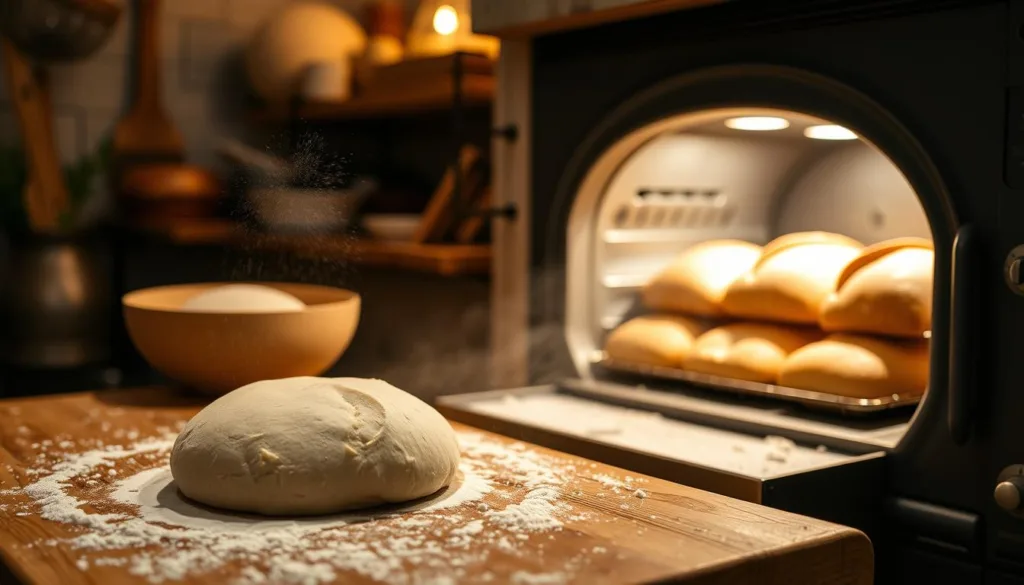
[139,522]
[650,432]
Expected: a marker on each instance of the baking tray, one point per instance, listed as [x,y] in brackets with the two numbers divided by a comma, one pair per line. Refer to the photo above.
[811,399]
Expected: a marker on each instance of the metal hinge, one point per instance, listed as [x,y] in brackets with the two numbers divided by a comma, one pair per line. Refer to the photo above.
[508,211]
[509,132]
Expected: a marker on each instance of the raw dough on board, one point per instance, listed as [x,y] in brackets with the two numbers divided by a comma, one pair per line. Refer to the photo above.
[303,446]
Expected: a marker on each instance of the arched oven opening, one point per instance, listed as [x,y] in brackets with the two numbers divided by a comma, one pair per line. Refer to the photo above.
[753,175]
[751,153]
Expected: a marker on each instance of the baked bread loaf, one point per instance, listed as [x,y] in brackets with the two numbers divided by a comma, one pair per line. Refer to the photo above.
[653,340]
[858,366]
[886,290]
[747,351]
[695,282]
[792,278]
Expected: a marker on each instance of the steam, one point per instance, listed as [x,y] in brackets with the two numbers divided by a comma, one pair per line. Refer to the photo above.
[431,370]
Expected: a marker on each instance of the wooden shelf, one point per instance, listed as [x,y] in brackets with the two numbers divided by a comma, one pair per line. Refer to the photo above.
[441,259]
[530,18]
[408,88]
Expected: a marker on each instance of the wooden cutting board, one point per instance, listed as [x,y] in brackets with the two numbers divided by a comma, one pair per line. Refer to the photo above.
[670,533]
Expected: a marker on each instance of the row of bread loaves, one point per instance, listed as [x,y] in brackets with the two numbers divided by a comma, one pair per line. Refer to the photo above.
[804,278]
[846,364]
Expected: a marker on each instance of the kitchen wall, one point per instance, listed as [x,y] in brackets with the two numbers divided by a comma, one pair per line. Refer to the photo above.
[201,43]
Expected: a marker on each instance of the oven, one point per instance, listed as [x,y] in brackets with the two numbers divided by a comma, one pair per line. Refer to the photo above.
[621,144]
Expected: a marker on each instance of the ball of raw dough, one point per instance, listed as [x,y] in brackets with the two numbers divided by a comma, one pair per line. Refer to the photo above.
[301,446]
[243,298]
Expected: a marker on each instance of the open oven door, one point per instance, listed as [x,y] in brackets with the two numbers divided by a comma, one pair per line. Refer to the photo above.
[761,453]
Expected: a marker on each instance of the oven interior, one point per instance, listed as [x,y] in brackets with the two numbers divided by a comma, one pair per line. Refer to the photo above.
[748,174]
[751,174]
[739,173]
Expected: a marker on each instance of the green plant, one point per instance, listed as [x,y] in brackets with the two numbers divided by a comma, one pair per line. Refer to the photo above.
[81,178]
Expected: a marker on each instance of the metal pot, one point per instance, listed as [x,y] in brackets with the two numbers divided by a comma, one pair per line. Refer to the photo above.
[55,302]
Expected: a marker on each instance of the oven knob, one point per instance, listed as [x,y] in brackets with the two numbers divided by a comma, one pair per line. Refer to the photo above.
[1009,494]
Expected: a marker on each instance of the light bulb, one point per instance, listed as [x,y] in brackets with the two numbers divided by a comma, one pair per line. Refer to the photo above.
[446,20]
[829,132]
[757,123]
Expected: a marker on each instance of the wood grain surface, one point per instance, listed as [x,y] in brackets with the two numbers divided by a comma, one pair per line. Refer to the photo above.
[676,534]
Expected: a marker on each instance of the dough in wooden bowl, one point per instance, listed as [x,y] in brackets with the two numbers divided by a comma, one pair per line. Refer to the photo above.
[792,278]
[243,298]
[886,290]
[303,446]
[858,366]
[747,351]
[653,340]
[695,282]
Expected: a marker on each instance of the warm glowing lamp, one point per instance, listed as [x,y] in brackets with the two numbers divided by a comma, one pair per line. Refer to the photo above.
[443,27]
[446,20]
[757,123]
[829,132]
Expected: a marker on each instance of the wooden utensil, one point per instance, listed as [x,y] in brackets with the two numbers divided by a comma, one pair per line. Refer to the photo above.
[471,227]
[46,195]
[147,132]
[54,31]
[438,216]
[157,194]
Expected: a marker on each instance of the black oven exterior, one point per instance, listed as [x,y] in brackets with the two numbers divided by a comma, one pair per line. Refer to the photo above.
[936,85]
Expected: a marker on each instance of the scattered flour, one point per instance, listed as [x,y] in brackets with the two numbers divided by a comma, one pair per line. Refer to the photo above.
[524,578]
[138,521]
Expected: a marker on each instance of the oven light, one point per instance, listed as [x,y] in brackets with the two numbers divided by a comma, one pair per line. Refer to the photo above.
[446,20]
[829,132]
[757,123]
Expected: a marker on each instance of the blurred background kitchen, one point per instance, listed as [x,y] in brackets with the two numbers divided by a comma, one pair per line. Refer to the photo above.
[148,142]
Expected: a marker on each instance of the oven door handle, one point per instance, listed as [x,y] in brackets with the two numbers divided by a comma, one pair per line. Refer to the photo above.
[963,340]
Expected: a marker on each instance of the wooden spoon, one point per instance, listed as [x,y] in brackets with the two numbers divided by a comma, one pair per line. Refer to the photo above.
[46,195]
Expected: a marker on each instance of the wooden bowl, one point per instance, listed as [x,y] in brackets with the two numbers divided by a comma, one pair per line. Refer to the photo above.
[218,352]
[157,182]
[156,194]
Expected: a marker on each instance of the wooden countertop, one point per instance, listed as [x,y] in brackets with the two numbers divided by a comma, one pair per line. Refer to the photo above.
[667,532]
[526,18]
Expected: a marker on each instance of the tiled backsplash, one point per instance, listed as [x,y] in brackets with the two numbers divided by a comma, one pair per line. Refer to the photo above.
[200,39]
